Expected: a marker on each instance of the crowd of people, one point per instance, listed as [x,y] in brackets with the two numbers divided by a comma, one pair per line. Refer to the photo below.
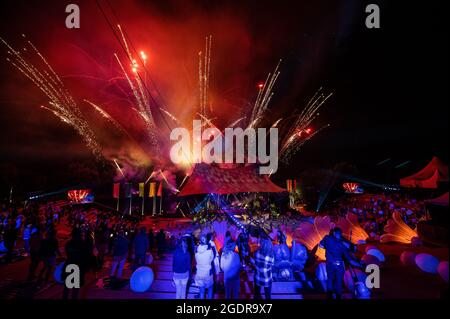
[374,211]
[47,233]
[50,232]
[197,260]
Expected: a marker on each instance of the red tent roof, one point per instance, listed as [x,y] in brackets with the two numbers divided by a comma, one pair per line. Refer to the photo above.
[436,171]
[207,179]
[440,201]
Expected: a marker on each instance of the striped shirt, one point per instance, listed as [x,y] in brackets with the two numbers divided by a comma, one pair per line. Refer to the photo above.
[263,275]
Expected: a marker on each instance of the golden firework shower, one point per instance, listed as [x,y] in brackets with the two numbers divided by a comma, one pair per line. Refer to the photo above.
[61,103]
[300,132]
[265,94]
[143,103]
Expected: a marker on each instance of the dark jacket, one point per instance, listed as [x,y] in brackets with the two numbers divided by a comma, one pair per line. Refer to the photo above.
[161,240]
[181,261]
[77,252]
[141,244]
[49,248]
[335,250]
[120,246]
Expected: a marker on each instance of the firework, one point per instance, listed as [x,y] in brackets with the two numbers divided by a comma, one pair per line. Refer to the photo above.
[173,188]
[300,132]
[264,96]
[118,167]
[61,103]
[139,90]
[170,115]
[204,67]
[184,179]
[233,124]
[108,117]
[63,106]
[150,177]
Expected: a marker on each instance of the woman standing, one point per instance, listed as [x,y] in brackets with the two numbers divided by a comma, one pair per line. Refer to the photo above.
[263,263]
[231,266]
[181,268]
[48,251]
[204,256]
[78,253]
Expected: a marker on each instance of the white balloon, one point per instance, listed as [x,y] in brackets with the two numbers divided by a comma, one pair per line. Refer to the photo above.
[377,253]
[427,263]
[141,279]
[369,247]
[408,258]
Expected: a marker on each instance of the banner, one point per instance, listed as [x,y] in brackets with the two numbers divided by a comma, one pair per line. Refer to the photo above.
[152,190]
[141,189]
[289,185]
[116,190]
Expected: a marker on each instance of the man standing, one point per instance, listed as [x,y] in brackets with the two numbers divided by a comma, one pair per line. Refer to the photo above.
[140,248]
[9,238]
[120,253]
[161,242]
[77,252]
[151,239]
[336,252]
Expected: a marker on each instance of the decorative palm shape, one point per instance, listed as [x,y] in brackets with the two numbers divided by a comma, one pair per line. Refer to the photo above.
[351,228]
[220,229]
[311,234]
[397,231]
[288,231]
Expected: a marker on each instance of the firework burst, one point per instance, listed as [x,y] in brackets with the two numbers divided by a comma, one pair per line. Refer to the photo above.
[300,132]
[61,103]
[264,96]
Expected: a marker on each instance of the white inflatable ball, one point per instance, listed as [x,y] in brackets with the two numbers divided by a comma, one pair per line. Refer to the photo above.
[141,279]
[348,278]
[442,269]
[57,274]
[321,272]
[377,253]
[368,247]
[408,258]
[427,263]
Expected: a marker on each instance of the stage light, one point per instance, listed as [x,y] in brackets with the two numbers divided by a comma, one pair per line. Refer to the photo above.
[260,86]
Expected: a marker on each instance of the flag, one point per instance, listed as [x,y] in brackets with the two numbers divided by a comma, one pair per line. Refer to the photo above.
[141,189]
[152,190]
[289,185]
[160,190]
[116,190]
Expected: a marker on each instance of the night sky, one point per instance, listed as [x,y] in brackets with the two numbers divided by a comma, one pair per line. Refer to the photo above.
[390,85]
